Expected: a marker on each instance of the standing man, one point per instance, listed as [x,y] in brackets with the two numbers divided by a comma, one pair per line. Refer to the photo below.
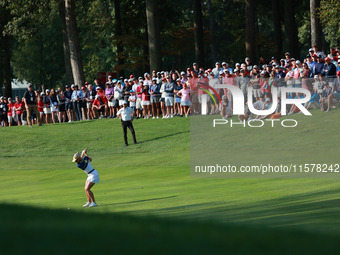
[125,114]
[31,105]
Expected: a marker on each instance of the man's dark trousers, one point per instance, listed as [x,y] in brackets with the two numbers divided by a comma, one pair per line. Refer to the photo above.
[125,125]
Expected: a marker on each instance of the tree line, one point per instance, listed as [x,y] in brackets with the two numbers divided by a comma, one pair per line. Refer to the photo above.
[56,42]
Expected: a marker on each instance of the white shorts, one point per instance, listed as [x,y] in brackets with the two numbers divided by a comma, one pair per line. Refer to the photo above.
[111,104]
[10,119]
[169,101]
[47,110]
[146,103]
[93,177]
[139,103]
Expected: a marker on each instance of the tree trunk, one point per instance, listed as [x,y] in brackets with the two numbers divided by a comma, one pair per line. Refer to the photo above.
[119,33]
[67,62]
[198,26]
[6,74]
[315,26]
[276,8]
[291,32]
[250,30]
[73,41]
[153,34]
[212,32]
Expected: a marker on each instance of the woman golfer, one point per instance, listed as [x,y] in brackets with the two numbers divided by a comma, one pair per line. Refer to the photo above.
[83,162]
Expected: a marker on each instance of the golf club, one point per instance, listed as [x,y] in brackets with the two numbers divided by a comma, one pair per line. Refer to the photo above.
[91,143]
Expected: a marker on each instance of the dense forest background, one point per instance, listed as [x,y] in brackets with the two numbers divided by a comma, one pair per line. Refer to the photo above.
[59,42]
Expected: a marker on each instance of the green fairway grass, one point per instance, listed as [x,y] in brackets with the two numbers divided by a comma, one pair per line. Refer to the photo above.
[146,196]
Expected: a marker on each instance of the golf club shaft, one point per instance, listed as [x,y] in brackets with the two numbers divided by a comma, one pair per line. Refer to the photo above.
[91,143]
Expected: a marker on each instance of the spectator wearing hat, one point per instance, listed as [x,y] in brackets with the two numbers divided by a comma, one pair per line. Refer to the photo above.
[31,105]
[126,116]
[3,112]
[318,66]
[61,105]
[243,82]
[217,69]
[132,102]
[11,112]
[126,90]
[147,79]
[155,96]
[184,79]
[109,93]
[249,65]
[329,69]
[225,66]
[195,68]
[99,107]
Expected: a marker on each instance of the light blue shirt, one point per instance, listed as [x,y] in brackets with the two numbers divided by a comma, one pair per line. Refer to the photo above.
[77,94]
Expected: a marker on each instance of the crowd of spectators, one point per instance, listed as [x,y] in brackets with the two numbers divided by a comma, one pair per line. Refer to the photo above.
[168,94]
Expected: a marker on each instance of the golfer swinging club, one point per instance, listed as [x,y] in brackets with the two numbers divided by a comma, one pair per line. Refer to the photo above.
[83,162]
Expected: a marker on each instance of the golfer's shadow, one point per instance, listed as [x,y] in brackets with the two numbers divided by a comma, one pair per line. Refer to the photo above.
[139,201]
[164,136]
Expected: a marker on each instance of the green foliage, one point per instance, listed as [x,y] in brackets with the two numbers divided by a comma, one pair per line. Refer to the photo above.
[329,16]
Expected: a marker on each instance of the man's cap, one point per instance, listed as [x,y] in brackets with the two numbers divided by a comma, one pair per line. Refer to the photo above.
[42,93]
[255,66]
[154,79]
[162,72]
[67,86]
[311,50]
[327,59]
[29,85]
[47,90]
[242,71]
[287,53]
[163,79]
[114,80]
[129,80]
[194,64]
[274,64]
[72,86]
[1,98]
[83,88]
[75,157]
[86,83]
[224,63]
[246,59]
[9,99]
[273,58]
[132,76]
[178,80]
[209,70]
[236,70]
[263,72]
[125,102]
[182,73]
[125,80]
[217,63]
[188,69]
[292,59]
[298,62]
[141,80]
[237,64]
[110,77]
[146,74]
[131,91]
[98,88]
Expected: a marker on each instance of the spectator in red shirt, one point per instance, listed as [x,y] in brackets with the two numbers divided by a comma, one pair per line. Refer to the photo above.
[10,111]
[18,107]
[99,106]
